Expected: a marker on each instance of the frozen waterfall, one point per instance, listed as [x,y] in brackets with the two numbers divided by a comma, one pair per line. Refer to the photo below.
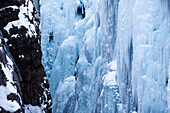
[115,60]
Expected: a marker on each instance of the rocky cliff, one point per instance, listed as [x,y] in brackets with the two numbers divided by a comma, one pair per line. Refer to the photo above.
[10,78]
[20,25]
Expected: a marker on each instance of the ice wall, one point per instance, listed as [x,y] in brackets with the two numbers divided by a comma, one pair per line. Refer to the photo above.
[151,51]
[65,62]
[96,87]
[143,53]
[55,18]
[119,55]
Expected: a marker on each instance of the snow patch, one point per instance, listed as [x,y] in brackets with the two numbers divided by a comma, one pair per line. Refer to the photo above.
[13,7]
[33,109]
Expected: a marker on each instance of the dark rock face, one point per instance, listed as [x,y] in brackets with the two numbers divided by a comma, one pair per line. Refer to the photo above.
[24,44]
[5,3]
[7,15]
[3,78]
[27,54]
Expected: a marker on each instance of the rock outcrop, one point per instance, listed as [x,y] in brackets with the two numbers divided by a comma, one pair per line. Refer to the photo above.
[20,25]
[10,78]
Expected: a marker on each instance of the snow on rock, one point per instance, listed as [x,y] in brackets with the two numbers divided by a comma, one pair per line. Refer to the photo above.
[20,25]
[25,20]
[33,109]
[10,92]
[6,104]
[13,7]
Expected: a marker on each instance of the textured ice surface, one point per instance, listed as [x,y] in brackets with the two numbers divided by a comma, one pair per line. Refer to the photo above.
[57,16]
[143,53]
[65,62]
[62,94]
[119,54]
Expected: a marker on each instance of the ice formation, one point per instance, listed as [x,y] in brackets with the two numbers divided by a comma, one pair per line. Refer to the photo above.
[119,55]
